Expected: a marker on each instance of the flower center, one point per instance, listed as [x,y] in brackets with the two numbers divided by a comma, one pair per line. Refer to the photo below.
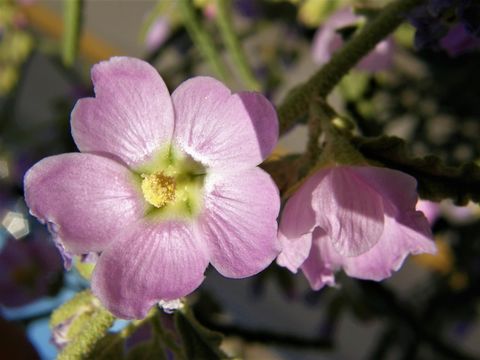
[158,189]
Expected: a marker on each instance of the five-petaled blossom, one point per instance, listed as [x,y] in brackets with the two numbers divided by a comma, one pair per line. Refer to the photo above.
[358,218]
[328,40]
[163,186]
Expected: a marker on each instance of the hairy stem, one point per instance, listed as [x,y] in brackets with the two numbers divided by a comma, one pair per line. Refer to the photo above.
[295,105]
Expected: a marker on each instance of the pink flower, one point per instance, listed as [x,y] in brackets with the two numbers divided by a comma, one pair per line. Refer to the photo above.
[459,215]
[163,186]
[361,219]
[430,209]
[327,41]
[157,34]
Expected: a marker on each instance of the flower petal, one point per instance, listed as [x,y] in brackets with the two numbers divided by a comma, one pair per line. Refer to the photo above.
[326,40]
[131,115]
[396,187]
[220,129]
[349,210]
[380,58]
[322,262]
[294,251]
[86,198]
[239,222]
[398,240]
[149,262]
[298,216]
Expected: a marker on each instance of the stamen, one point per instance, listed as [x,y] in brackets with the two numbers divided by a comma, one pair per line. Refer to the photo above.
[158,189]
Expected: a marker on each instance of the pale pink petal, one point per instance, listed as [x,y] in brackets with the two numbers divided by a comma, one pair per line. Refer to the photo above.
[298,216]
[294,251]
[396,187]
[220,129]
[380,58]
[87,199]
[158,33]
[397,242]
[430,209]
[326,40]
[322,262]
[239,222]
[342,18]
[349,210]
[152,261]
[131,115]
[297,223]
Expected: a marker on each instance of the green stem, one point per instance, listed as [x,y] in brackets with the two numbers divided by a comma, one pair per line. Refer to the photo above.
[323,81]
[232,43]
[71,34]
[201,38]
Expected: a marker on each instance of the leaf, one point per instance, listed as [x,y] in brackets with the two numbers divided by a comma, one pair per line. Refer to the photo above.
[198,341]
[436,180]
[109,347]
[147,350]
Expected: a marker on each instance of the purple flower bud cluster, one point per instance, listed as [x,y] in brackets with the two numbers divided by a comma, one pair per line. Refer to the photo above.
[452,25]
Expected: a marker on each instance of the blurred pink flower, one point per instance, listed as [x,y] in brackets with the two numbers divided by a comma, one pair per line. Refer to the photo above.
[157,34]
[361,219]
[327,41]
[455,214]
[164,185]
[430,209]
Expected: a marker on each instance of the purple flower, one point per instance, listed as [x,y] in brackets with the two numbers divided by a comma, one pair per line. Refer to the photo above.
[451,24]
[458,41]
[361,219]
[163,186]
[29,269]
[327,40]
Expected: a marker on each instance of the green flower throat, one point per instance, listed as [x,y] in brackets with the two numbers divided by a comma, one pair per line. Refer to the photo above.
[172,185]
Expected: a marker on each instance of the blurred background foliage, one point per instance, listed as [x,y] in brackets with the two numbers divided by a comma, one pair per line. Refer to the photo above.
[429,310]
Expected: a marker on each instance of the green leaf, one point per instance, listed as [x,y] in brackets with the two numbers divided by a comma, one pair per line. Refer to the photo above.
[199,342]
[436,180]
[109,347]
[147,350]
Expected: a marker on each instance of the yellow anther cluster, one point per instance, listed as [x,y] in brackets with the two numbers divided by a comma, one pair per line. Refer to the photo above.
[158,189]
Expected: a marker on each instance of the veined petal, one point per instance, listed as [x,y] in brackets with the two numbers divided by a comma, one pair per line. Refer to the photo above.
[294,251]
[239,222]
[396,187]
[131,115]
[413,236]
[220,129]
[298,216]
[88,199]
[149,262]
[349,210]
[322,262]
